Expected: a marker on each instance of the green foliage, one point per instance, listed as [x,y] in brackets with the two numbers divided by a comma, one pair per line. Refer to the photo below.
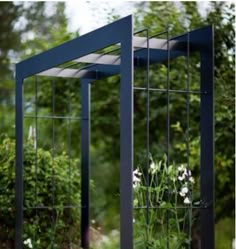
[9,37]
[44,31]
[225,233]
[26,28]
[49,181]
[223,18]
[9,42]
[179,17]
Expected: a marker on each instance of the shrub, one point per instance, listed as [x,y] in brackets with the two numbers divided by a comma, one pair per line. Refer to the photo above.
[51,182]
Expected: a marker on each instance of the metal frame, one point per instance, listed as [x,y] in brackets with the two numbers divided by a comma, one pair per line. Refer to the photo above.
[85,161]
[121,32]
[153,50]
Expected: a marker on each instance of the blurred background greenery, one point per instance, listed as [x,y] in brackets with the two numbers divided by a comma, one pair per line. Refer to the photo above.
[29,28]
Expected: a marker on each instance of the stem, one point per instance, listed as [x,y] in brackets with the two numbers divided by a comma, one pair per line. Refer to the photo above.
[162,190]
[176,211]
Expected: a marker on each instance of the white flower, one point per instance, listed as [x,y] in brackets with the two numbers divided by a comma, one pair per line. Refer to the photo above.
[181,178]
[133,220]
[136,179]
[137,172]
[28,243]
[183,191]
[152,165]
[181,168]
[187,172]
[93,221]
[186,200]
[191,179]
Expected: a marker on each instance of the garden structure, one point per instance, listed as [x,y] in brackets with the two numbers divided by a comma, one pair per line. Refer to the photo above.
[92,61]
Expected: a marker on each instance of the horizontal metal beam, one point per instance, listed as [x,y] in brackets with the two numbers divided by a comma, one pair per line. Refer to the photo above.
[157,50]
[156,43]
[155,56]
[99,59]
[93,72]
[86,44]
[102,65]
[68,73]
[139,42]
[108,65]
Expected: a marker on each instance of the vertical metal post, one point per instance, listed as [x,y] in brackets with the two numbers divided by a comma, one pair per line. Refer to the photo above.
[168,134]
[19,163]
[207,141]
[147,136]
[126,139]
[85,161]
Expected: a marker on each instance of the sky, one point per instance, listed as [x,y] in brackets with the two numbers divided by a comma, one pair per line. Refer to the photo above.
[89,15]
[86,15]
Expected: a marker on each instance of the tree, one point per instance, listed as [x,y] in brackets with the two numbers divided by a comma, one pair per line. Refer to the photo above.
[9,42]
[26,28]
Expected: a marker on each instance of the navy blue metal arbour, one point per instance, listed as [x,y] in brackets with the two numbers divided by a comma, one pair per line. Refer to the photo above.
[152,50]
